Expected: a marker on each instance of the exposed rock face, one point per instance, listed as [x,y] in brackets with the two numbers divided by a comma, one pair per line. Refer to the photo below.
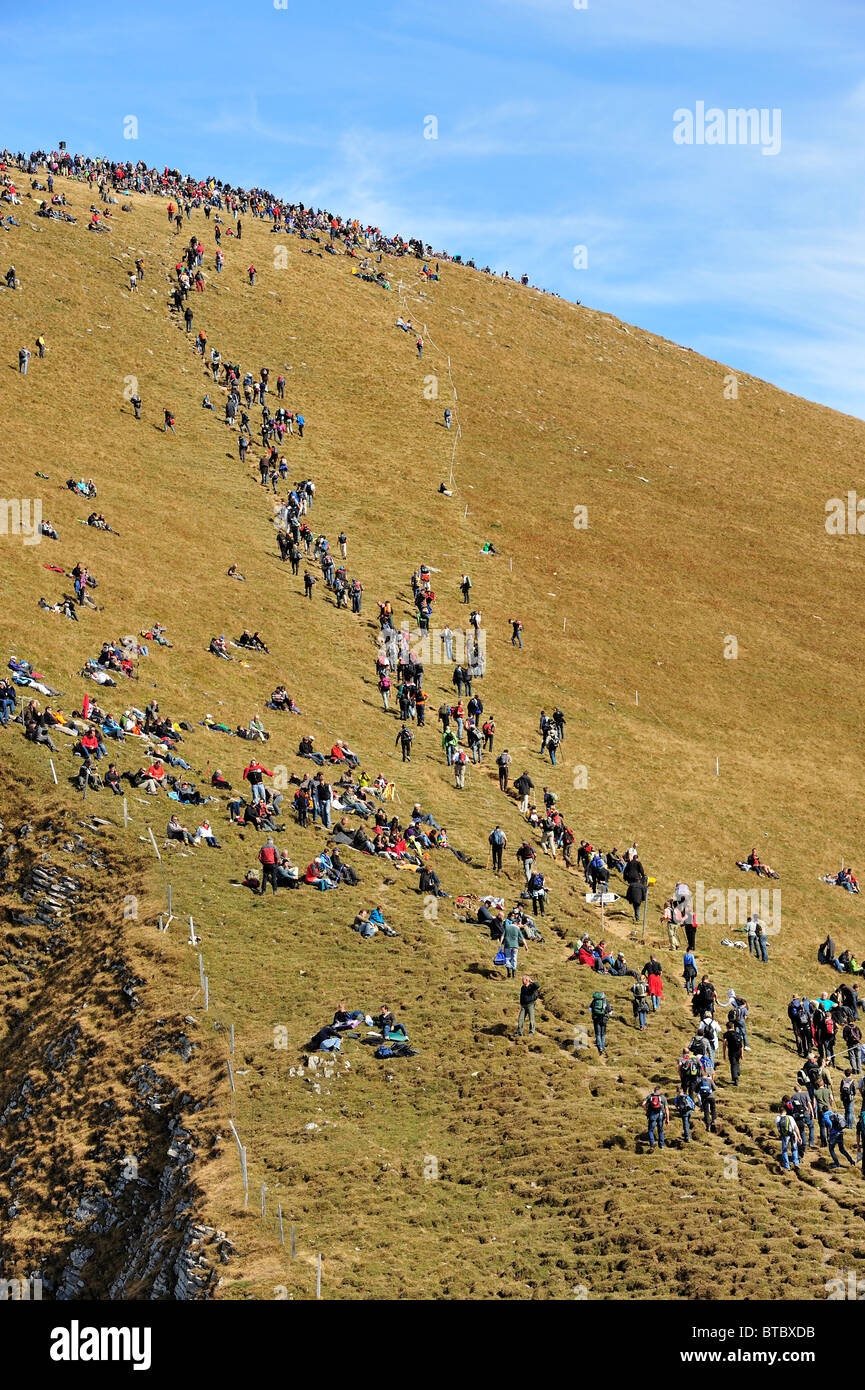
[99,1141]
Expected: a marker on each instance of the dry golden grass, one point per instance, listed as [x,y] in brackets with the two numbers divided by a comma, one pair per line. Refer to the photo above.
[542,1184]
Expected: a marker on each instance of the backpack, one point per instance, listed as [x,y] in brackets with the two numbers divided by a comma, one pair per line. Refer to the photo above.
[802,1015]
[785,1125]
[639,990]
[655,1103]
[600,1007]
[683,1104]
[694,1067]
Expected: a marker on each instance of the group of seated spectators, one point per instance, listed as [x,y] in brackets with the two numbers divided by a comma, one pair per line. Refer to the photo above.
[845,878]
[844,961]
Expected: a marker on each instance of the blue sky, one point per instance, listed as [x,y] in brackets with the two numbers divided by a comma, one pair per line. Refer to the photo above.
[555,130]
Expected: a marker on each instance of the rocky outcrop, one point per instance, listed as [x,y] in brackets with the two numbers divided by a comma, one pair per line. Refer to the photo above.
[100,1140]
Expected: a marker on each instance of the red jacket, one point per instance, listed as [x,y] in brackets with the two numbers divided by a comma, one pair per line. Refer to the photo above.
[268,854]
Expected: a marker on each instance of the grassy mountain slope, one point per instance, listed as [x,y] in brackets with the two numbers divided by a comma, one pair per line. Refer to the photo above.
[705,521]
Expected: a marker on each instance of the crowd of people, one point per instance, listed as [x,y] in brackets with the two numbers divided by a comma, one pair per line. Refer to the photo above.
[352,809]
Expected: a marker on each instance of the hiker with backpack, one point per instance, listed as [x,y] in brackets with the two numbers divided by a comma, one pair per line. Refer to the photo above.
[600,1010]
[706,1097]
[460,763]
[529,992]
[799,1014]
[658,1114]
[690,1072]
[733,1048]
[835,1137]
[405,739]
[684,1108]
[791,1138]
[538,890]
[498,844]
[852,1034]
[847,1093]
[503,763]
[640,997]
[526,856]
[704,998]
[803,1112]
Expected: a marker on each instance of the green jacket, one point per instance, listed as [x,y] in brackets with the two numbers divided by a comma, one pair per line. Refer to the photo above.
[512,935]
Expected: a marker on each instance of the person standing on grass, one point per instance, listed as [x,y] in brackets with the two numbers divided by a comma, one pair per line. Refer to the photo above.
[255,774]
[640,994]
[498,845]
[600,1011]
[503,763]
[529,992]
[684,1108]
[525,786]
[733,1047]
[791,1138]
[538,889]
[706,1097]
[658,1114]
[405,739]
[268,858]
[512,939]
[459,764]
[689,970]
[835,1137]
[652,972]
[516,633]
[526,856]
[168,422]
[23,360]
[847,1092]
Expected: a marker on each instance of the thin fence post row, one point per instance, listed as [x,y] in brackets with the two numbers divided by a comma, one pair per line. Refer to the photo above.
[279,1219]
[153,842]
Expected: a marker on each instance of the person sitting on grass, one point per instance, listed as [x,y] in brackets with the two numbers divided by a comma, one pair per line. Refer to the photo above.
[175,831]
[205,832]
